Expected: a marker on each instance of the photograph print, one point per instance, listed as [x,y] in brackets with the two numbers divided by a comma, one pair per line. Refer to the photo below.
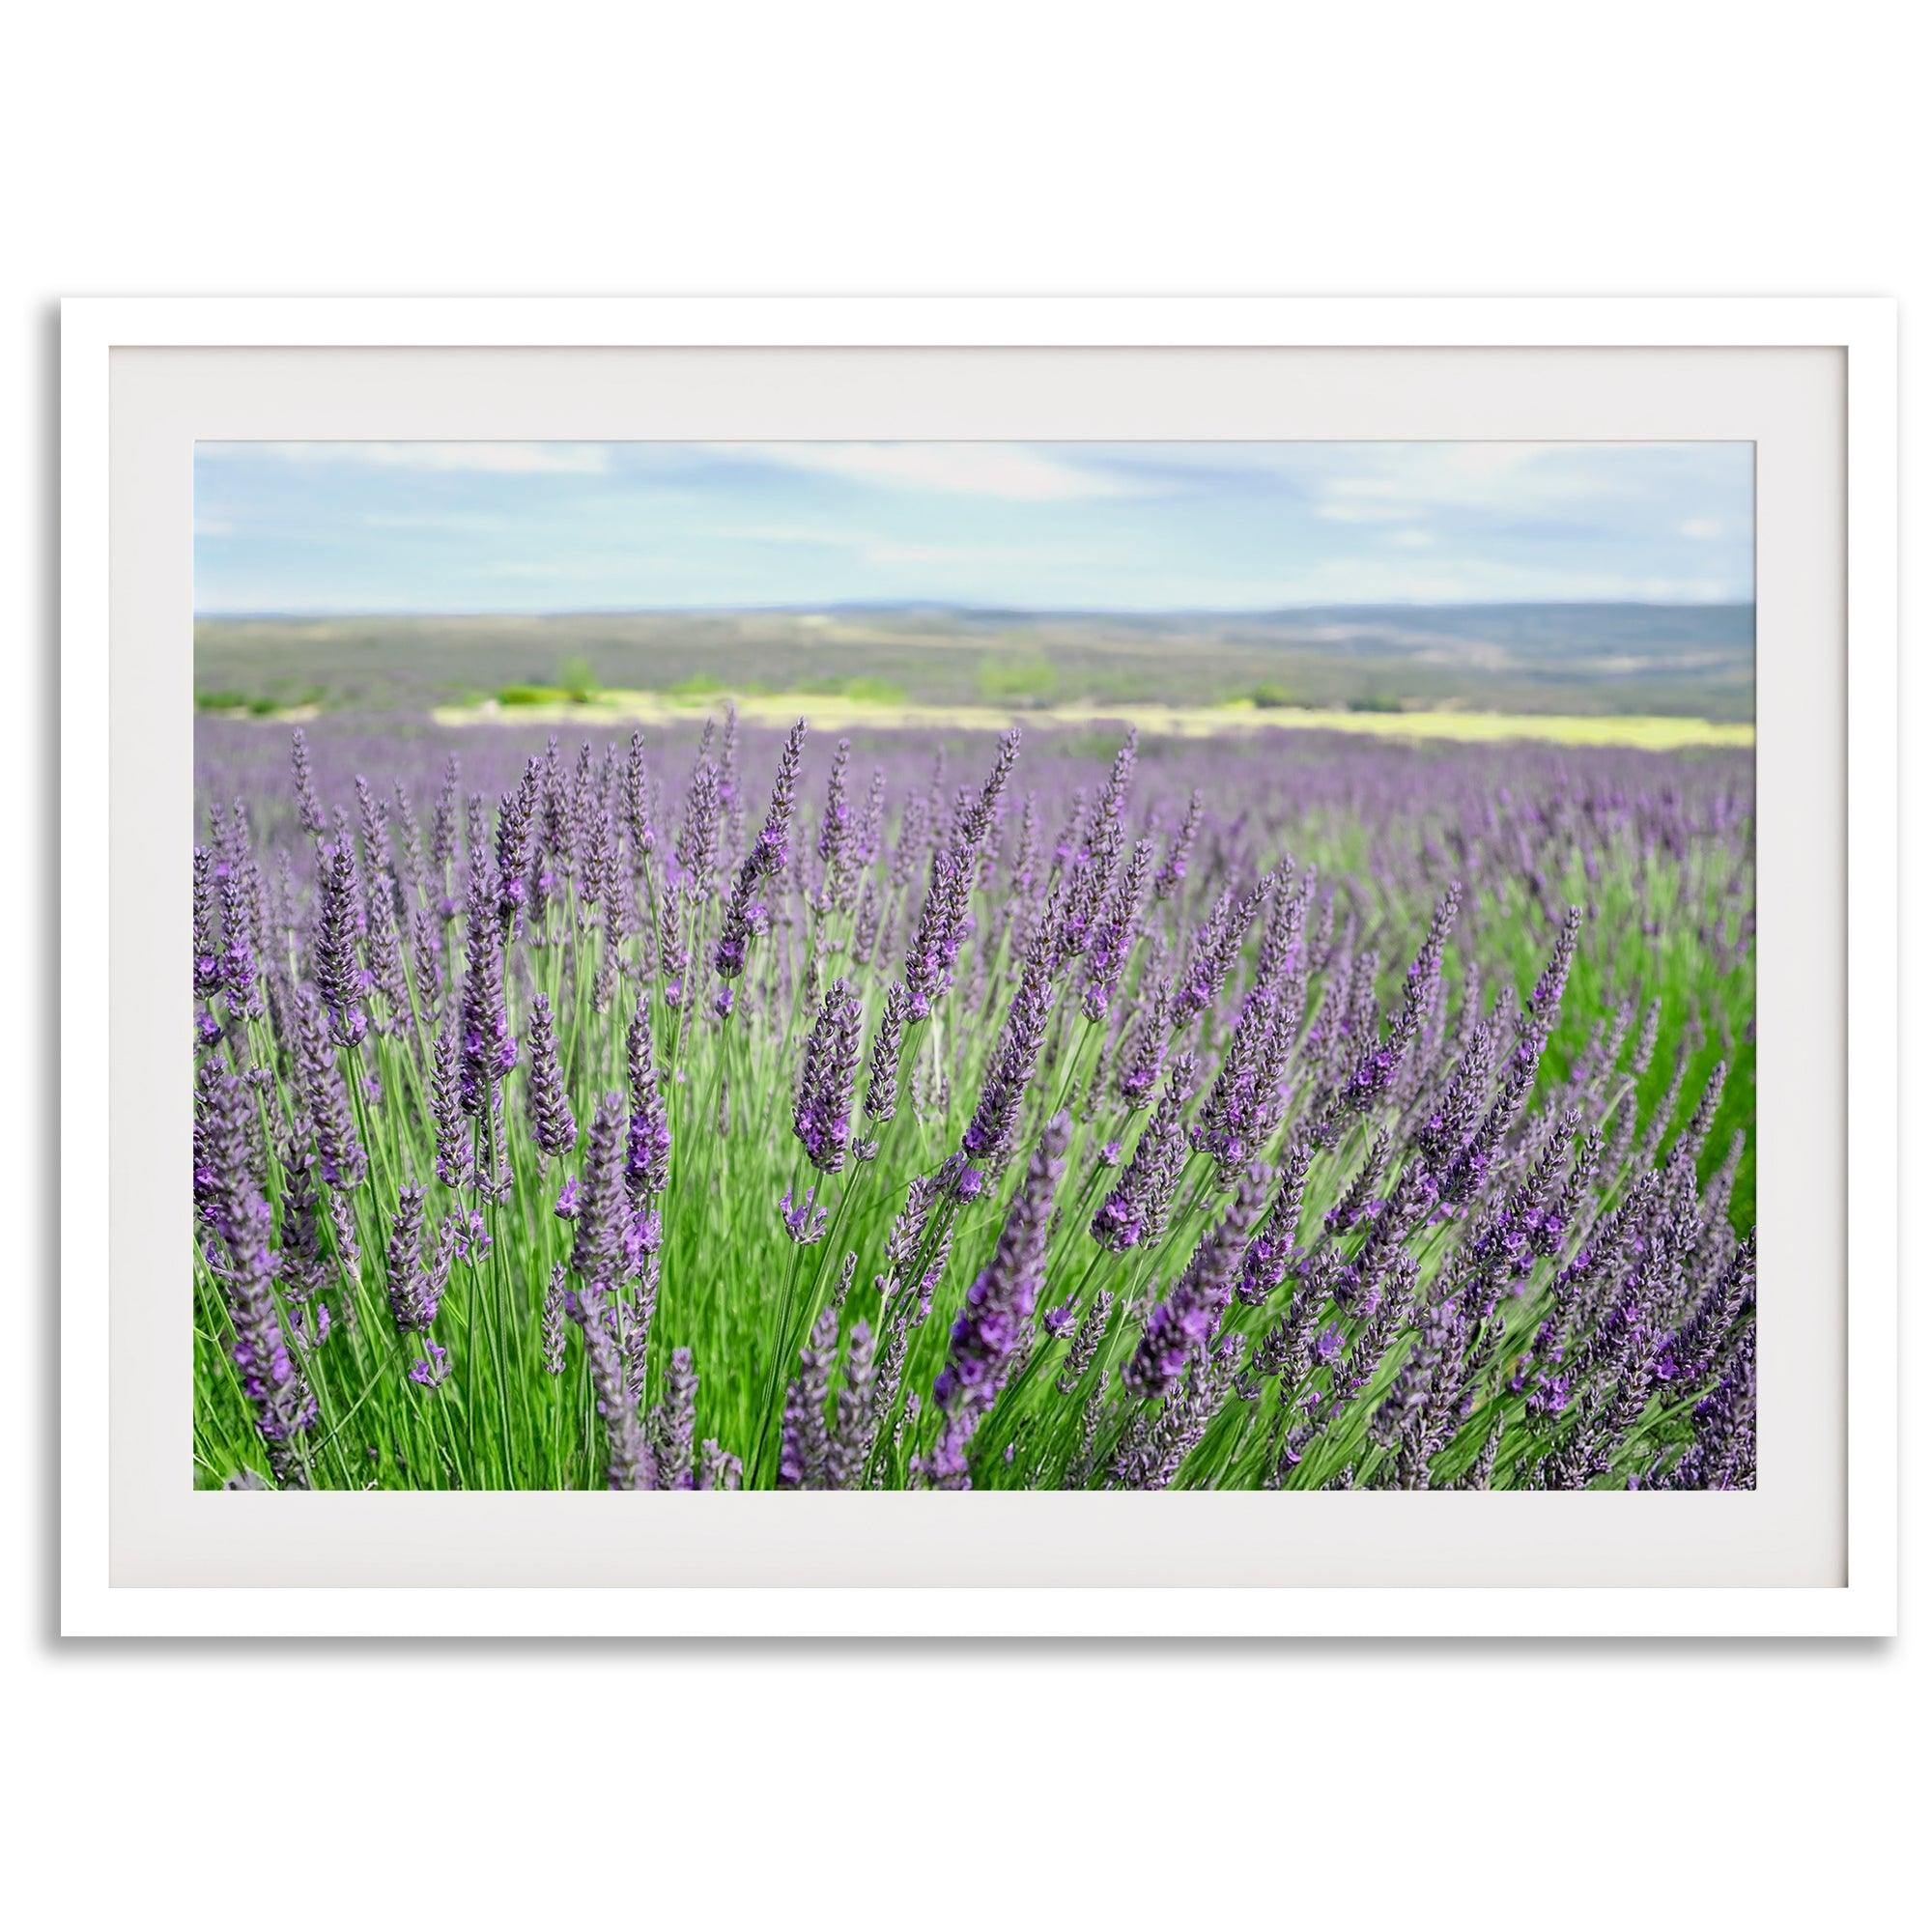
[965,966]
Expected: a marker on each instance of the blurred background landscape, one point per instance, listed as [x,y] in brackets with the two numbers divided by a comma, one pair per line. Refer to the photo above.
[1587,659]
[1192,585]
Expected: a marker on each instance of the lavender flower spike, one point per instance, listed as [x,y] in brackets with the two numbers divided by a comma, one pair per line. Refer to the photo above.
[308,810]
[998,1308]
[416,1280]
[1135,1214]
[599,1253]
[229,1191]
[338,971]
[489,1048]
[744,913]
[805,1443]
[647,1147]
[553,1124]
[822,1118]
[882,1069]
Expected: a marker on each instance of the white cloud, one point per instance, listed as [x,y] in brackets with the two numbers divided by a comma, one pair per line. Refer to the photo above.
[1011,470]
[1701,528]
[1405,482]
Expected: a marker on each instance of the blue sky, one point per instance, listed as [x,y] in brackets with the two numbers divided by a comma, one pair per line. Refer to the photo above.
[533,527]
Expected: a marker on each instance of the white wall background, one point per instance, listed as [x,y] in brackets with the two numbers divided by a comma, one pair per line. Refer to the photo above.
[1482,148]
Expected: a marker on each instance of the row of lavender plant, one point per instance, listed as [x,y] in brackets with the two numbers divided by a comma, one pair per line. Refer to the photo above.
[1301,1114]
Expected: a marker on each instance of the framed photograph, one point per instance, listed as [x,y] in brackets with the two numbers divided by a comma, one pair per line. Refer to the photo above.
[979,967]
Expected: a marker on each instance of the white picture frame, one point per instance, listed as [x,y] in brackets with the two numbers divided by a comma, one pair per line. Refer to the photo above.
[115,518]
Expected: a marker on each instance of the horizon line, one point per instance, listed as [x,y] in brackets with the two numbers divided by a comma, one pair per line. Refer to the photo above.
[885,604]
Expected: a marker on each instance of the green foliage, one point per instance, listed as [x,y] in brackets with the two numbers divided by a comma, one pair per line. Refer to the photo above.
[1018,679]
[577,677]
[872,690]
[513,695]
[1270,696]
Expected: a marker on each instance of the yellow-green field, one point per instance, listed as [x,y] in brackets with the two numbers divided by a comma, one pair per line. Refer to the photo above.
[832,712]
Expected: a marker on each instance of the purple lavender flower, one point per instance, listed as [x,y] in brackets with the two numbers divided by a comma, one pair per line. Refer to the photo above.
[855,1415]
[553,1318]
[1243,1104]
[835,828]
[442,821]
[604,1210]
[1173,867]
[431,1369]
[553,1124]
[1693,1350]
[804,1442]
[324,1098]
[1723,1448]
[1216,946]
[1112,936]
[1270,1251]
[647,1145]
[1135,1214]
[696,846]
[637,825]
[1089,876]
[516,827]
[1141,1067]
[308,811]
[426,960]
[489,1048]
[998,1310]
[822,1118]
[882,1070]
[989,1134]
[942,921]
[453,1146]
[745,914]
[466,1236]
[1179,1329]
[1375,1064]
[676,1429]
[301,1270]
[207,954]
[338,971]
[416,1278]
[802,1221]
[229,1193]
[631,1463]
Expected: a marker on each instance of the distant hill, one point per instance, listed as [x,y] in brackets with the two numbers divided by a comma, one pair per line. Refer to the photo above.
[1669,660]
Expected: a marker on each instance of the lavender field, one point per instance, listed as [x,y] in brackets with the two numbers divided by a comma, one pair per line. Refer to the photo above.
[937,1111]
